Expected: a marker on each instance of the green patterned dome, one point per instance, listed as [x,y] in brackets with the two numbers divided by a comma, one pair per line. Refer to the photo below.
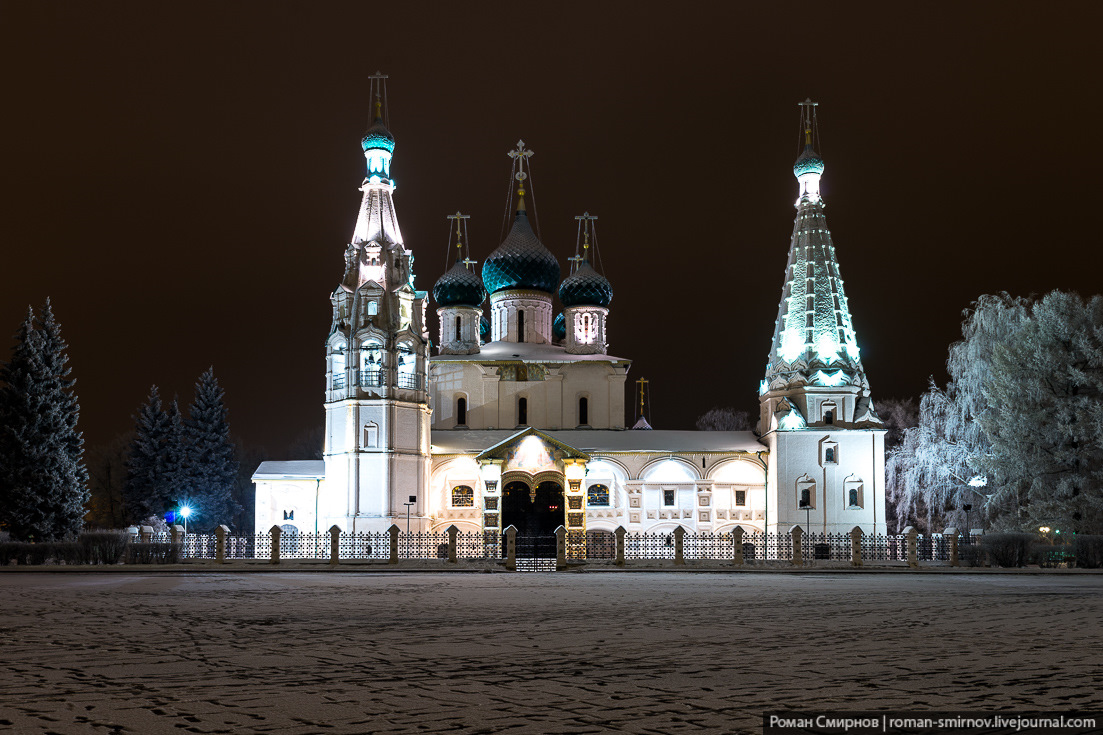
[459,286]
[586,287]
[559,327]
[378,137]
[808,162]
[521,261]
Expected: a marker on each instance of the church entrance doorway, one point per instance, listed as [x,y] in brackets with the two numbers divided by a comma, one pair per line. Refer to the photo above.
[535,512]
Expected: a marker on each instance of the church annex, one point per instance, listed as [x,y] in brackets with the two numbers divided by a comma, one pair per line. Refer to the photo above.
[519,416]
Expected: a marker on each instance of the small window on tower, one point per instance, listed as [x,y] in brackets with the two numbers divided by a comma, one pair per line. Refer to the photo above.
[520,325]
[829,416]
[829,455]
[458,330]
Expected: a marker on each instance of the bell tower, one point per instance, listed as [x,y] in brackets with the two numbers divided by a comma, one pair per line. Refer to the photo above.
[376,398]
[816,414]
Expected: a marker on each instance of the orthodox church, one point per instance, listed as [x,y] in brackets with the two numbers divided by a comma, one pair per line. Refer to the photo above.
[519,417]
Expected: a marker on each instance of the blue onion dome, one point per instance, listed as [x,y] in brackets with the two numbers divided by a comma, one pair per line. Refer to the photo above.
[808,162]
[559,327]
[378,137]
[459,287]
[484,328]
[585,287]
[521,261]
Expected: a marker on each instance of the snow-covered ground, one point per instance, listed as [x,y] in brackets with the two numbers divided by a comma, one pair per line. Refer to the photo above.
[532,653]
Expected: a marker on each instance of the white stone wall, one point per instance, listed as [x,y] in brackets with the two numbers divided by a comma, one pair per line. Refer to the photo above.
[274,498]
[553,403]
[537,307]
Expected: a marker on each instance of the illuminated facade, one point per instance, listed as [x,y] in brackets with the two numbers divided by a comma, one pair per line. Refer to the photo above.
[520,417]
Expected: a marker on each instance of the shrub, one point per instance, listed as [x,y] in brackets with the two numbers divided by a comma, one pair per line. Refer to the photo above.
[1049,555]
[103,547]
[1008,549]
[1088,551]
[971,555]
[153,552]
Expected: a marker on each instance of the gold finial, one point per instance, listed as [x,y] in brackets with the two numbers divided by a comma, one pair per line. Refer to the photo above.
[520,154]
[642,383]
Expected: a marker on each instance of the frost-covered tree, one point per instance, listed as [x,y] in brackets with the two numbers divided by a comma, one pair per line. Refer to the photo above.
[932,468]
[898,415]
[212,466]
[724,419]
[148,475]
[107,483]
[43,479]
[1044,395]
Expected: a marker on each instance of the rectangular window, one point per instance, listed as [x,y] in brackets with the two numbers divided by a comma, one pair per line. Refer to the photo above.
[668,498]
[597,495]
[740,497]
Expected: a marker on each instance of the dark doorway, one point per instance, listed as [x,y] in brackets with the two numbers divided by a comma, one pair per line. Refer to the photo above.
[536,513]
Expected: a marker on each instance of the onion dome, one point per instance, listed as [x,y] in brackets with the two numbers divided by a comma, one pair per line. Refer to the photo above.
[378,137]
[484,328]
[521,261]
[809,162]
[559,327]
[459,287]
[585,287]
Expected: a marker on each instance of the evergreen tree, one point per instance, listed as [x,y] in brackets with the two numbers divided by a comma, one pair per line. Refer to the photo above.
[724,419]
[212,467]
[1045,400]
[43,480]
[145,492]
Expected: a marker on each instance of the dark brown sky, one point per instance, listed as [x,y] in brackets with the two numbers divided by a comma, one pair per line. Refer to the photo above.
[182,179]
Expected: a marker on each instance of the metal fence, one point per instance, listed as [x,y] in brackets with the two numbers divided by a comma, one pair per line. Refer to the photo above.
[580,546]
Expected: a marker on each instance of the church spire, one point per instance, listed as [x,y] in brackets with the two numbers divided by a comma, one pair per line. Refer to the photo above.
[814,348]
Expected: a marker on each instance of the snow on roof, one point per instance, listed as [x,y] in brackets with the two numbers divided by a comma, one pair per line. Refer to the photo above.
[310,469]
[602,441]
[526,352]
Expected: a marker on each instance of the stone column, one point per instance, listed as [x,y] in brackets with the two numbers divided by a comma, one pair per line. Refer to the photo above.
[511,548]
[452,533]
[220,544]
[393,532]
[855,547]
[620,533]
[798,556]
[334,545]
[951,534]
[560,547]
[679,536]
[145,535]
[737,546]
[275,533]
[913,552]
[177,533]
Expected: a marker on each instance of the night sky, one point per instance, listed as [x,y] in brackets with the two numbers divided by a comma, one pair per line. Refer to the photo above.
[182,179]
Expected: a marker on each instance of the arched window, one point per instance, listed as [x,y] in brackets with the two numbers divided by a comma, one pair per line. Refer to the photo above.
[829,454]
[805,498]
[338,364]
[829,417]
[853,497]
[461,412]
[597,495]
[583,411]
[407,366]
[371,363]
[463,496]
[522,411]
[520,325]
[459,336]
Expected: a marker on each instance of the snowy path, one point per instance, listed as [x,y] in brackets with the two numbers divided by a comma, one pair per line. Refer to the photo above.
[555,653]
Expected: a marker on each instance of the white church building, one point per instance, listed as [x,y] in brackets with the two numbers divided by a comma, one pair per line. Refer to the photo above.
[519,416]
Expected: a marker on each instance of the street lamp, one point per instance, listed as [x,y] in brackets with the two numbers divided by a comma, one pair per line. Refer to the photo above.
[413,502]
[184,512]
[967,507]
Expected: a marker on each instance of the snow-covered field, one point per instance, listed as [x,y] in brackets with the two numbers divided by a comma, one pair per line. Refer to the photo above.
[526,653]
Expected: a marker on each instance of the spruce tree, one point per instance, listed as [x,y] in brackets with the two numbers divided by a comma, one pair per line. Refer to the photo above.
[211,462]
[146,477]
[43,480]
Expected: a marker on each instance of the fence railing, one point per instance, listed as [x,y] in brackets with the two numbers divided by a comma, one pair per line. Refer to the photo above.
[620,546]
